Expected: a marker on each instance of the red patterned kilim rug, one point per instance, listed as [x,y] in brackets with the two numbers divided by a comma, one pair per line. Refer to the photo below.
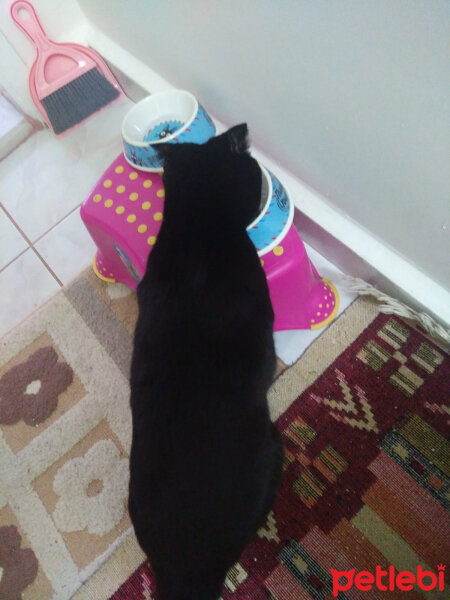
[366,481]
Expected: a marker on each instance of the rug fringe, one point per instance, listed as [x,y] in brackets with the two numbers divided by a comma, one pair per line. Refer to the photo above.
[392,306]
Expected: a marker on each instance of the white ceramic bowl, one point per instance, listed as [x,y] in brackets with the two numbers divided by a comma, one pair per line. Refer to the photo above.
[172,116]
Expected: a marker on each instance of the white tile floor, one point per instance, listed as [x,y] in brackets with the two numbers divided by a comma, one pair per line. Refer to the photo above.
[43,242]
[66,247]
[12,242]
[25,284]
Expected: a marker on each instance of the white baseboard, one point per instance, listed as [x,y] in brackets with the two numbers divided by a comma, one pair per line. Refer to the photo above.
[335,235]
[14,136]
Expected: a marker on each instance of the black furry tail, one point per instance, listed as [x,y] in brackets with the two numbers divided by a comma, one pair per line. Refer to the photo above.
[201,586]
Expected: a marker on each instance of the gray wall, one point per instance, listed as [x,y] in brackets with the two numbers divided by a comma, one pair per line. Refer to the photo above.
[350,95]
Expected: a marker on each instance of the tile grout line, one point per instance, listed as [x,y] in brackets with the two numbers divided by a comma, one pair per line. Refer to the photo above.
[38,239]
[41,258]
[47,266]
[22,233]
[31,244]
[16,225]
[15,258]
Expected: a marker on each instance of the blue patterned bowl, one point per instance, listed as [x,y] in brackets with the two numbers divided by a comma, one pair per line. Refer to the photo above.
[275,217]
[173,116]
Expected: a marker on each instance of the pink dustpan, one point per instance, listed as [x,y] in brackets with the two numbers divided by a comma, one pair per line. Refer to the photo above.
[102,67]
[64,77]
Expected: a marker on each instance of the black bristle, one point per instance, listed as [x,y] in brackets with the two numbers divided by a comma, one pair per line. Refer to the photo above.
[78,100]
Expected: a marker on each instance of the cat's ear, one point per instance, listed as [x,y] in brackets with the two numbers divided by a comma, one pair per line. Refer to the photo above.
[237,138]
[163,150]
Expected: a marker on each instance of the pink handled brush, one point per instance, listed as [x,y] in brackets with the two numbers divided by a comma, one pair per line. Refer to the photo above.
[68,83]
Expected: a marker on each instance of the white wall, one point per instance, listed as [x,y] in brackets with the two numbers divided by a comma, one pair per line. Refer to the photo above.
[351,95]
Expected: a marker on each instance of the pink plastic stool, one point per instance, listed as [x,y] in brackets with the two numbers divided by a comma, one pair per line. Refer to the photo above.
[301,299]
[123,214]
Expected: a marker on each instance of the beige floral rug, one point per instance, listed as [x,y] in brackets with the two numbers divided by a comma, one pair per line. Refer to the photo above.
[65,431]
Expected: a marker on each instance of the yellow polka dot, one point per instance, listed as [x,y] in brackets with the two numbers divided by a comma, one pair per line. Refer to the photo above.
[320,306]
[119,169]
[313,320]
[142,228]
[120,210]
[261,261]
[278,250]
[318,314]
[328,306]
[158,216]
[107,183]
[97,198]
[108,203]
[133,175]
[161,193]
[131,218]
[133,196]
[120,189]
[151,240]
[146,205]
[148,183]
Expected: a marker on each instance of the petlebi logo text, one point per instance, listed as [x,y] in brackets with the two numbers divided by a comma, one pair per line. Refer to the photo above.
[389,580]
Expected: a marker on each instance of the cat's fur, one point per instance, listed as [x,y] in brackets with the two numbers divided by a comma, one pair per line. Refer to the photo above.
[205,459]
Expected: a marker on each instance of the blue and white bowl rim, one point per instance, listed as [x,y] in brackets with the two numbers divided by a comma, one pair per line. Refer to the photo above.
[268,175]
[177,133]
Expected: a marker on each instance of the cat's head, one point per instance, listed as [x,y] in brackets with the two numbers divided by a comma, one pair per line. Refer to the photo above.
[213,182]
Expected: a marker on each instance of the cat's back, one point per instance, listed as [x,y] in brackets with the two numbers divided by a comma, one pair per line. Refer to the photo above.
[205,460]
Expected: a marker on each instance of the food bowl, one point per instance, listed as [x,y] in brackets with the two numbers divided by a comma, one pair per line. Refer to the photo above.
[173,116]
[276,213]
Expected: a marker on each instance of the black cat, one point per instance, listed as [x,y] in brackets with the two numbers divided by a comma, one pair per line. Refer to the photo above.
[205,460]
